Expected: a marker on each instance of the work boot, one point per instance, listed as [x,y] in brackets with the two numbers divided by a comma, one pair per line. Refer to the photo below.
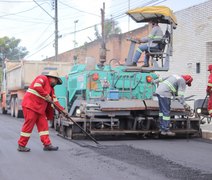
[23,148]
[132,64]
[163,132]
[145,65]
[169,133]
[50,148]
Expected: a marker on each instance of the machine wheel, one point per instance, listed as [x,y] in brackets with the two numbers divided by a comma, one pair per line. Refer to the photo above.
[12,107]
[143,124]
[69,132]
[18,113]
[55,124]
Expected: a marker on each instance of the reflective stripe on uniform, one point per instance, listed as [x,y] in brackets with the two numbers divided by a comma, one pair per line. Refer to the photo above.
[160,114]
[37,85]
[138,49]
[210,111]
[166,118]
[41,80]
[209,84]
[42,133]
[170,86]
[35,93]
[155,37]
[25,134]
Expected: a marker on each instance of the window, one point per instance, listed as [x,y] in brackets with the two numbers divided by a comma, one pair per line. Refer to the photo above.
[197,68]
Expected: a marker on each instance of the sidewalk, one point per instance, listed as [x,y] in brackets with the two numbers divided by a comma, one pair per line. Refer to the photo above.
[206,131]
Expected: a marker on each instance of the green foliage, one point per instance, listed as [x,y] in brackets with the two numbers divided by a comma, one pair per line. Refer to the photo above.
[111,27]
[10,49]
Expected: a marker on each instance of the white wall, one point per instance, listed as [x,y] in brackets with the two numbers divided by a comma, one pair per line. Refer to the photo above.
[190,46]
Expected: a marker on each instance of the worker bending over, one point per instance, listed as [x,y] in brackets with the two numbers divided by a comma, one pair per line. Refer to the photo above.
[174,85]
[38,108]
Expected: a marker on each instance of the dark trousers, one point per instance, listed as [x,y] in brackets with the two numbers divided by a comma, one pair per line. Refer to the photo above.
[164,112]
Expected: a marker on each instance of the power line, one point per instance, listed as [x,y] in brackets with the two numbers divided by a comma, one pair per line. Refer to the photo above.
[79,9]
[39,50]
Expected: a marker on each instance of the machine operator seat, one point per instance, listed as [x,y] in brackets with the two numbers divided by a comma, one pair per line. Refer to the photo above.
[157,52]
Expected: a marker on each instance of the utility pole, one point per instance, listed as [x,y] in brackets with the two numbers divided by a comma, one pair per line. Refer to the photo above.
[128,16]
[56,32]
[75,42]
[103,44]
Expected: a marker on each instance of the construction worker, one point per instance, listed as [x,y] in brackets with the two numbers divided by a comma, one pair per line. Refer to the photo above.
[209,90]
[38,108]
[171,86]
[156,33]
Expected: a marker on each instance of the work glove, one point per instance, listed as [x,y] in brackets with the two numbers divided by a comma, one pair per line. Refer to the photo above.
[187,107]
[65,113]
[208,93]
[48,98]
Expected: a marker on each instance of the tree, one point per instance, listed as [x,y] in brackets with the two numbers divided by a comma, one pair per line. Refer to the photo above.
[111,27]
[10,49]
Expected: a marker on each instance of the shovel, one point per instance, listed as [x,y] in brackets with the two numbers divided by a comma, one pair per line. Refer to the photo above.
[70,119]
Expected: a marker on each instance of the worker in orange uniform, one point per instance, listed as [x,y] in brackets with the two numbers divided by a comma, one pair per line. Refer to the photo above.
[209,90]
[37,109]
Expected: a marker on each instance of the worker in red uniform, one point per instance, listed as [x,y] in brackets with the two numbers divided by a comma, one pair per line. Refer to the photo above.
[209,90]
[37,109]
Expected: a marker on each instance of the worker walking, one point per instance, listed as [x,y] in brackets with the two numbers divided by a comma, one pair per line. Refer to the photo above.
[209,90]
[174,85]
[37,109]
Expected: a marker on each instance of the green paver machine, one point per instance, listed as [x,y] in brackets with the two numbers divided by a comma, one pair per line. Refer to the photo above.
[119,100]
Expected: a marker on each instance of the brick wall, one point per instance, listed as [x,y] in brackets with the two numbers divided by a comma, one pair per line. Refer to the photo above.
[117,47]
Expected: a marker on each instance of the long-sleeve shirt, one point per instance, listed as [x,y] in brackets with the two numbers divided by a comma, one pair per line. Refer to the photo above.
[34,98]
[173,85]
[209,85]
[156,33]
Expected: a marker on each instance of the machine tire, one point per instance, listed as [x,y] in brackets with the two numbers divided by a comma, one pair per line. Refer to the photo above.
[69,132]
[18,112]
[12,107]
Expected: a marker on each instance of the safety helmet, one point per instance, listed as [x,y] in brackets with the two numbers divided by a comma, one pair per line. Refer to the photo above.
[210,67]
[188,79]
[54,74]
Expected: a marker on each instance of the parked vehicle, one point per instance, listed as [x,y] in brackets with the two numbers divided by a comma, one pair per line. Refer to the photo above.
[119,100]
[17,76]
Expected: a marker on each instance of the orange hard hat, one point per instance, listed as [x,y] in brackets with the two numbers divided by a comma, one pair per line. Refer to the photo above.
[210,67]
[188,79]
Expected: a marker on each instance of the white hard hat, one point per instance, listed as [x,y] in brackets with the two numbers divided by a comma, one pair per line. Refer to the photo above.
[54,74]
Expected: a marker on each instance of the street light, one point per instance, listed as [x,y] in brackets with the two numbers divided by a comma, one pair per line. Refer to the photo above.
[75,43]
[75,26]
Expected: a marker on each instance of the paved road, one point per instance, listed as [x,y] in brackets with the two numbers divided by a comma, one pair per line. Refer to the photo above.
[164,159]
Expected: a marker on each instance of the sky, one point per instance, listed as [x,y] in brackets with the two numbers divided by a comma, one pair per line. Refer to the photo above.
[32,21]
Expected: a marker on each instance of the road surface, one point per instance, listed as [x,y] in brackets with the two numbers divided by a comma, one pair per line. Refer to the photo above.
[145,159]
